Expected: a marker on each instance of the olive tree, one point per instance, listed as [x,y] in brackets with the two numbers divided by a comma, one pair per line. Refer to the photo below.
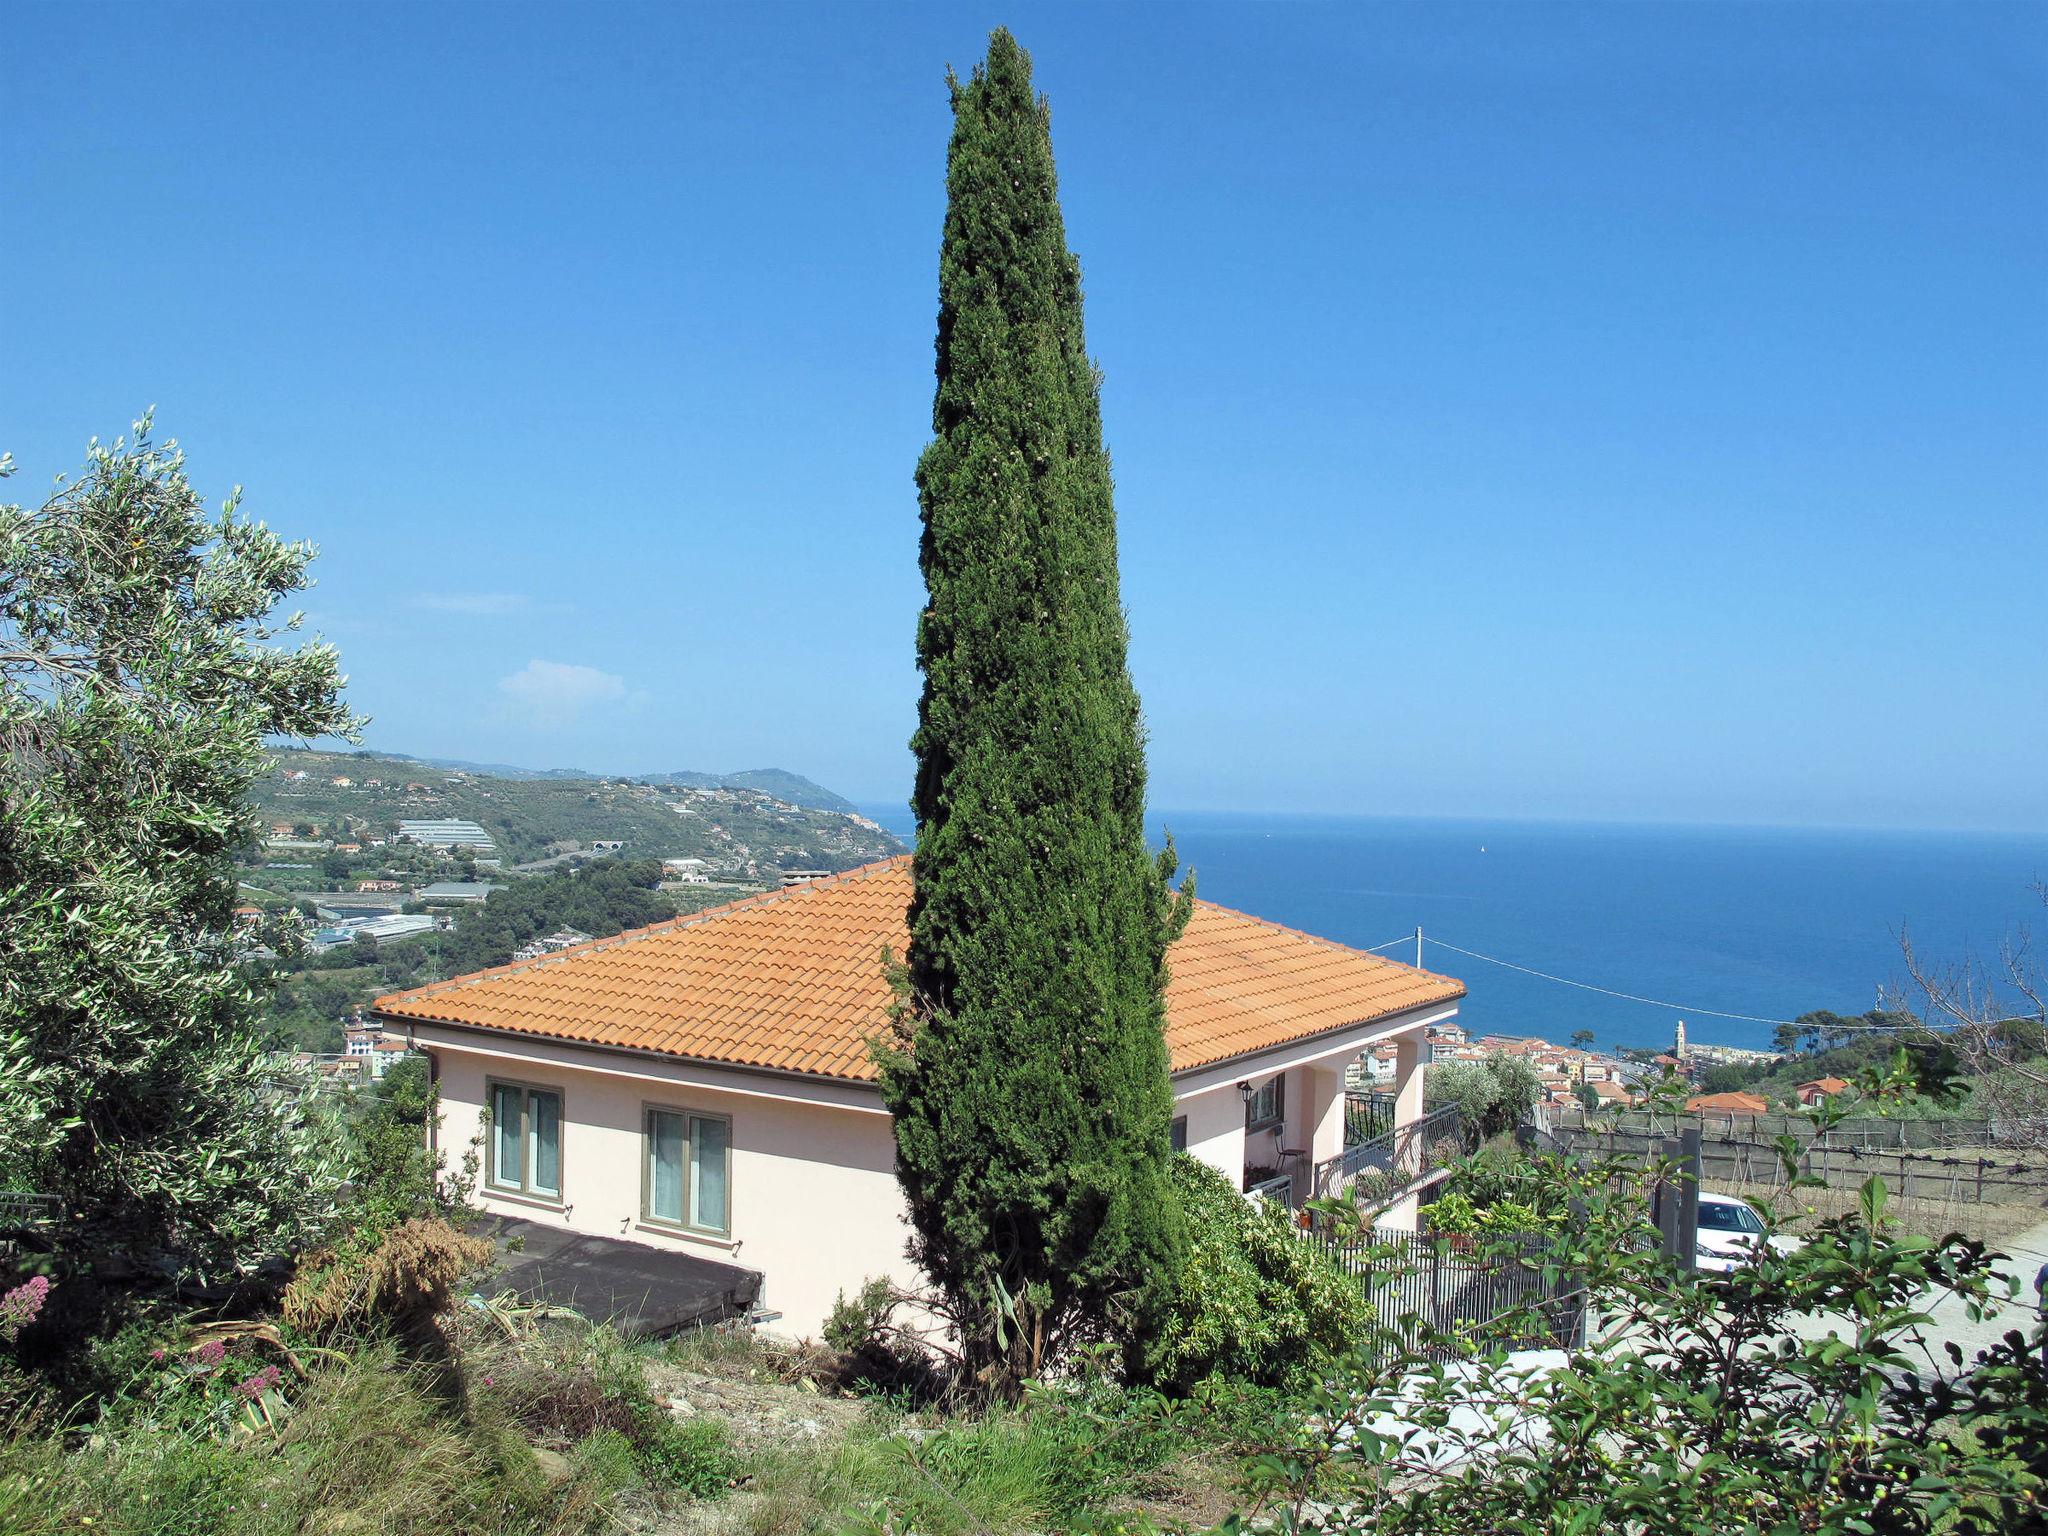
[140,675]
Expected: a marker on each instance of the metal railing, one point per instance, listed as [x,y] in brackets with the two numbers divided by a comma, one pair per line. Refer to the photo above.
[1418,1283]
[1400,1150]
[20,1208]
[1280,1189]
[25,1215]
[1367,1115]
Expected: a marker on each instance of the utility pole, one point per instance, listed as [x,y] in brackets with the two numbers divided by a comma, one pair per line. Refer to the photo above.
[1418,946]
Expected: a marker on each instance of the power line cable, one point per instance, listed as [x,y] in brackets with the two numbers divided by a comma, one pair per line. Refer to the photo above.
[1654,1002]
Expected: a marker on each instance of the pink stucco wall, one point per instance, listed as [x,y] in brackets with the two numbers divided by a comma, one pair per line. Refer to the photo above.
[815,1207]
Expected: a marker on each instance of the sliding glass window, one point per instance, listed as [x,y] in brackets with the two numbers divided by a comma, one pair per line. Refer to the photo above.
[526,1140]
[689,1169]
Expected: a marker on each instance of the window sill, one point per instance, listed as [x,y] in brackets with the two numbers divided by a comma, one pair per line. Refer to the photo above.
[1259,1126]
[536,1202]
[686,1234]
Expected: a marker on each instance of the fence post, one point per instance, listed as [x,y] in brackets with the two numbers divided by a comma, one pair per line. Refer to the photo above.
[1689,1199]
[1667,1200]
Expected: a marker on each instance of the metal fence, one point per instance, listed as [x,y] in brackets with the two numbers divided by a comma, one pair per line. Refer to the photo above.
[1870,1133]
[24,1216]
[1421,1283]
[1958,1176]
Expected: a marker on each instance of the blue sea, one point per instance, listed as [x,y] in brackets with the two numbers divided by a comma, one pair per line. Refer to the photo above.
[1764,921]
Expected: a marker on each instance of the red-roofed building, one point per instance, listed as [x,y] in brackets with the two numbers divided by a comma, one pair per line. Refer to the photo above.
[1728,1104]
[1820,1088]
[706,1085]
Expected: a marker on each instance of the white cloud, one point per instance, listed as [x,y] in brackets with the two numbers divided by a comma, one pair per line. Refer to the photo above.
[476,604]
[556,693]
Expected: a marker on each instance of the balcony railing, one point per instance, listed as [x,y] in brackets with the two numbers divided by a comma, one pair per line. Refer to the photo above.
[25,1219]
[1402,1150]
[1280,1189]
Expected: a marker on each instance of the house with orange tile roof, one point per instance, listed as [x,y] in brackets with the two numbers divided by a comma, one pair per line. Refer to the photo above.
[706,1085]
[1820,1088]
[1727,1104]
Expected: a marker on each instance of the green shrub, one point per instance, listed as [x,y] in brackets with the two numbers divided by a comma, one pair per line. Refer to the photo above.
[692,1456]
[1454,1213]
[1493,1095]
[1255,1300]
[395,1174]
[1501,1190]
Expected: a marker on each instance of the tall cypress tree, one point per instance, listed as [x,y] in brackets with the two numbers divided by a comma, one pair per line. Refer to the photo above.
[1032,1108]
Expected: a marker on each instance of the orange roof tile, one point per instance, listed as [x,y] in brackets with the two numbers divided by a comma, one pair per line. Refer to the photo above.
[793,980]
[1728,1103]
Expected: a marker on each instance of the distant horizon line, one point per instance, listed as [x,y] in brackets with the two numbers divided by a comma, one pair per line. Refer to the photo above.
[867,802]
[1479,819]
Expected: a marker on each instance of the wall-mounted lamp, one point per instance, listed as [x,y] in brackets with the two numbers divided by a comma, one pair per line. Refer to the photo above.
[1244,1091]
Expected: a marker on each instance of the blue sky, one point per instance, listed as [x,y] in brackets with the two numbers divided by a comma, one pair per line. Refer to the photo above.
[1630,413]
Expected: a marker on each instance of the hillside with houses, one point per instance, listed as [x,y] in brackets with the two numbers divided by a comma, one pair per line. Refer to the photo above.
[741,831]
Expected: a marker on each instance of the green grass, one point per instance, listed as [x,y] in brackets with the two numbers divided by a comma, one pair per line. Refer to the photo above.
[1064,1462]
[372,1442]
[369,1445]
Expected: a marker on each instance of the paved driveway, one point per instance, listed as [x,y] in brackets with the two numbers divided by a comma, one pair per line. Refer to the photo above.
[1951,1321]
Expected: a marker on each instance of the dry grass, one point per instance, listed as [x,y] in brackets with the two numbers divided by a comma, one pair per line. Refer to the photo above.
[1983,1220]
[406,1278]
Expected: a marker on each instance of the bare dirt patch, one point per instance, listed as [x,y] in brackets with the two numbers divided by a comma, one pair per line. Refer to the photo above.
[758,1408]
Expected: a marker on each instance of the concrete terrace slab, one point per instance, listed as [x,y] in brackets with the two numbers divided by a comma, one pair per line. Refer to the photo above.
[641,1291]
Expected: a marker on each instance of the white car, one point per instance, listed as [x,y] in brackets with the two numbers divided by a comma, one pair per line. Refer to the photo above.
[1730,1230]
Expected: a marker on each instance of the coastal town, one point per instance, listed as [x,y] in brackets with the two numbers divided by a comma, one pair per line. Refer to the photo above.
[1577,1074]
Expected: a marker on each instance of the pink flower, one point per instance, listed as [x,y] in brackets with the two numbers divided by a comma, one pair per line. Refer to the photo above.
[158,1355]
[212,1352]
[260,1383]
[22,1306]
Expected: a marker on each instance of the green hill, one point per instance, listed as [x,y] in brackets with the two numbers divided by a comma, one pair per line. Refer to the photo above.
[791,788]
[780,783]
[742,831]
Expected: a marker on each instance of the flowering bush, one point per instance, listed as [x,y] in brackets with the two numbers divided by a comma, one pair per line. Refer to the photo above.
[218,1386]
[22,1306]
[259,1382]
